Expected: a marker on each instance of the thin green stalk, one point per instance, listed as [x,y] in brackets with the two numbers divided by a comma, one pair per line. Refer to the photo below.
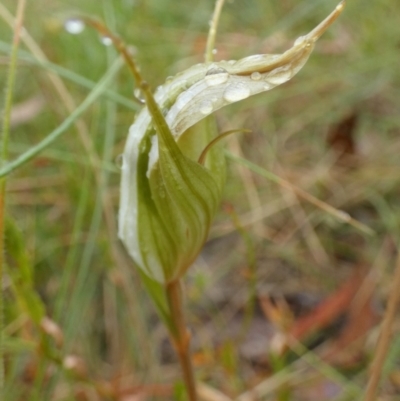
[72,256]
[72,76]
[180,337]
[4,155]
[212,33]
[252,273]
[49,139]
[84,283]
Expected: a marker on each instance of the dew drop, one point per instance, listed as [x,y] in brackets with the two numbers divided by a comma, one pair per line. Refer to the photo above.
[216,76]
[74,26]
[119,161]
[106,40]
[255,76]
[205,107]
[278,78]
[182,100]
[236,92]
[138,95]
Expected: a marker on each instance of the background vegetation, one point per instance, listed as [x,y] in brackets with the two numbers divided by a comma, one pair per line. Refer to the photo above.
[333,131]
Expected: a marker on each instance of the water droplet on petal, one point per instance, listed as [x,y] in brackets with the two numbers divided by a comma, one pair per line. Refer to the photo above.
[255,76]
[106,40]
[278,78]
[236,92]
[205,107]
[216,76]
[182,100]
[74,26]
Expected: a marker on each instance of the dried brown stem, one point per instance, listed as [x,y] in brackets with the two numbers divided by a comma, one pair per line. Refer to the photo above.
[383,345]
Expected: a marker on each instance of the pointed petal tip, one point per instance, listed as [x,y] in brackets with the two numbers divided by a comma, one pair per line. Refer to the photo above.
[317,32]
[341,6]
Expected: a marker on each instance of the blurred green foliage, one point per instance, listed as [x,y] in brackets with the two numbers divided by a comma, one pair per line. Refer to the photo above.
[65,207]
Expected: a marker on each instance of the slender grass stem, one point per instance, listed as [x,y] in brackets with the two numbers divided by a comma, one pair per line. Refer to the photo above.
[48,140]
[385,336]
[212,34]
[339,214]
[180,336]
[81,127]
[77,79]
[4,154]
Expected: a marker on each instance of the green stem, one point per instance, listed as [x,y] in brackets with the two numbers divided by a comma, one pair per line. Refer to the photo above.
[180,336]
[4,154]
[48,140]
[212,34]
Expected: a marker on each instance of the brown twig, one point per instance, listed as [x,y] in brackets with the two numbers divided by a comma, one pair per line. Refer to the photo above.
[383,345]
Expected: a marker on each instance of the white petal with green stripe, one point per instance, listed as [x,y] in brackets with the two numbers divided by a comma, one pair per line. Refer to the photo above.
[168,199]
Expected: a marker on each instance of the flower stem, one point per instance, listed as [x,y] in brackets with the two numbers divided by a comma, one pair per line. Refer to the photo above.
[180,336]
